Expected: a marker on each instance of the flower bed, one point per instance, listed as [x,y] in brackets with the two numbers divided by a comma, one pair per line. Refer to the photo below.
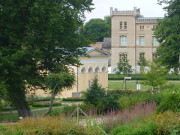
[45,104]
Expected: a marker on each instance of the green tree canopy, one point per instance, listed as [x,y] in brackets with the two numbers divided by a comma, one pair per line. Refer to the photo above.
[123,66]
[47,32]
[96,29]
[155,75]
[167,32]
[57,82]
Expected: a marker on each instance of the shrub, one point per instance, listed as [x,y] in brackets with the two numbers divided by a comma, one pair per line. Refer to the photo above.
[45,104]
[170,102]
[73,99]
[144,129]
[50,126]
[94,94]
[33,98]
[115,118]
[141,97]
[121,77]
[108,102]
[167,123]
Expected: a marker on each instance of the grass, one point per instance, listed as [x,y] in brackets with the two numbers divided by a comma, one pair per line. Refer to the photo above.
[6,116]
[131,85]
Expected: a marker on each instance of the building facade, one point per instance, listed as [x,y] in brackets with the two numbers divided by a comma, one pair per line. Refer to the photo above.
[94,66]
[132,34]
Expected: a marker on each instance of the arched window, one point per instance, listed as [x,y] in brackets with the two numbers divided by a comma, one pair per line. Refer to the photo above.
[83,70]
[97,70]
[90,70]
[104,69]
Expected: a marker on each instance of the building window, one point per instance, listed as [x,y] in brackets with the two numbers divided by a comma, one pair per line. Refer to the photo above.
[154,41]
[122,56]
[141,27]
[154,55]
[125,25]
[121,25]
[141,55]
[123,40]
[141,40]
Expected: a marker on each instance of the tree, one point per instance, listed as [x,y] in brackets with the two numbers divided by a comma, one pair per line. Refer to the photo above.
[155,75]
[167,33]
[142,62]
[35,36]
[96,29]
[123,66]
[95,93]
[57,82]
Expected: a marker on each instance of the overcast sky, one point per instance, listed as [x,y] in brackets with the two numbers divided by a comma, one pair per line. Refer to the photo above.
[148,8]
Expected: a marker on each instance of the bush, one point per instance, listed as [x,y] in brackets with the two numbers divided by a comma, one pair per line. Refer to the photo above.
[73,99]
[170,102]
[167,123]
[143,129]
[141,97]
[45,104]
[32,98]
[108,102]
[94,94]
[49,126]
[121,77]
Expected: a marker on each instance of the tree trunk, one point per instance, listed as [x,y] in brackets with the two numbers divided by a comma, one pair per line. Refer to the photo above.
[22,107]
[51,104]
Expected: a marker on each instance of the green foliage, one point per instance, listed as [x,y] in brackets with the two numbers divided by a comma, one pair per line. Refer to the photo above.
[144,129]
[57,82]
[94,94]
[167,32]
[155,76]
[73,99]
[44,104]
[167,123]
[108,102]
[170,102]
[97,29]
[142,62]
[128,101]
[123,66]
[140,77]
[46,32]
[49,126]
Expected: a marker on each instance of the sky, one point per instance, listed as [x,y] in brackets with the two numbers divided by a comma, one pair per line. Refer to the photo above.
[148,8]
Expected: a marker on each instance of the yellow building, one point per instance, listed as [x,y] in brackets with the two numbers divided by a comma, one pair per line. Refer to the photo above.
[132,34]
[94,66]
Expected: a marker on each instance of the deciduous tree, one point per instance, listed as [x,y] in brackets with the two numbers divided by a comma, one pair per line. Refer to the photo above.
[38,31]
[96,29]
[155,75]
[167,32]
[57,82]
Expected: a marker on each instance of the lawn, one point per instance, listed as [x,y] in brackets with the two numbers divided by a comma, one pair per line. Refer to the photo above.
[6,116]
[131,85]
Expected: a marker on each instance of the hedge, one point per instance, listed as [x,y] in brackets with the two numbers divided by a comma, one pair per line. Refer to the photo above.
[45,104]
[73,99]
[139,77]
